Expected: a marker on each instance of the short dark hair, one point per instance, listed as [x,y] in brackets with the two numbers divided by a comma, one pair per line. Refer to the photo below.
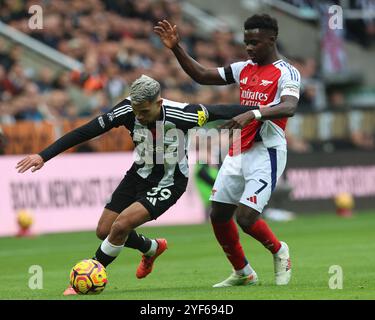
[262,21]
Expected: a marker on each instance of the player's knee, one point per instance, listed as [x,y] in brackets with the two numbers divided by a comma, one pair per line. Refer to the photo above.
[102,232]
[218,216]
[221,212]
[121,227]
[117,228]
[246,217]
[243,222]
[213,215]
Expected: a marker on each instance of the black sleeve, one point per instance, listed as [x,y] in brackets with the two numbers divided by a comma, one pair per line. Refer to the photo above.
[226,111]
[193,115]
[121,114]
[81,134]
[229,75]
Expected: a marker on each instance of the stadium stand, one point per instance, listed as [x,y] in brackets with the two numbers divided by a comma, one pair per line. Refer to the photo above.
[113,43]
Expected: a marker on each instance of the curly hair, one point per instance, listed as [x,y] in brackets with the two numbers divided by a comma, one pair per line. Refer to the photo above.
[262,21]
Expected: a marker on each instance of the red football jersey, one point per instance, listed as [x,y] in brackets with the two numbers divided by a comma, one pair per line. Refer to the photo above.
[263,85]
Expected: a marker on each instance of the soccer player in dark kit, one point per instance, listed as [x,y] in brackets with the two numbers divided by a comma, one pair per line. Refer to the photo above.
[159,175]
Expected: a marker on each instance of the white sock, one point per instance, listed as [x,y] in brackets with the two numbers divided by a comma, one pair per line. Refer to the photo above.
[110,249]
[153,248]
[281,250]
[245,271]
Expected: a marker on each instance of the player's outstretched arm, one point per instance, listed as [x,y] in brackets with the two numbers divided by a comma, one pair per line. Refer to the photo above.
[34,161]
[121,114]
[193,115]
[227,111]
[285,108]
[84,133]
[171,39]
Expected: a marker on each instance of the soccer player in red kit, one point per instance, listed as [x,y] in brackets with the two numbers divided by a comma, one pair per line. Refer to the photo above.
[247,178]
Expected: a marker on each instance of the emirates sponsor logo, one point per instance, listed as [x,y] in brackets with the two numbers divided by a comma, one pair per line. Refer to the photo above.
[253,97]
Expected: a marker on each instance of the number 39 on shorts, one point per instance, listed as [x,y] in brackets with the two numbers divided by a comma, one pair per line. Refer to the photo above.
[162,193]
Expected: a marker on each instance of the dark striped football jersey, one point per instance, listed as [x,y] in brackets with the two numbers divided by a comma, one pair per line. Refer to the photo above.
[160,148]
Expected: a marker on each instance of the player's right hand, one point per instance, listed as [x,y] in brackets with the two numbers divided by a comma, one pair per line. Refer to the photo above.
[168,34]
[34,160]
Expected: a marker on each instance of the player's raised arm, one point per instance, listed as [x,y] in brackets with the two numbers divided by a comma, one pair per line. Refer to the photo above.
[170,38]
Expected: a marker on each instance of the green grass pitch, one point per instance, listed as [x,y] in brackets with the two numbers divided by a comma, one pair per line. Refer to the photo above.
[194,262]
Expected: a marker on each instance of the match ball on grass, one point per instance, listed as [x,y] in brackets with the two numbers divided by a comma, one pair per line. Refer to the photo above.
[88,277]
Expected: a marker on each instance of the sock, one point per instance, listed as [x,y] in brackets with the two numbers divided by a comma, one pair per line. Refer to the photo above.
[262,232]
[245,271]
[227,235]
[138,241]
[153,248]
[107,252]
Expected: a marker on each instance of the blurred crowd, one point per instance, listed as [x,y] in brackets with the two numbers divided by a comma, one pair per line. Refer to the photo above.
[358,30]
[115,42]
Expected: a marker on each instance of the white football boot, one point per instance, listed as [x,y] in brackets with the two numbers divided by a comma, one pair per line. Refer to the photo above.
[282,265]
[238,280]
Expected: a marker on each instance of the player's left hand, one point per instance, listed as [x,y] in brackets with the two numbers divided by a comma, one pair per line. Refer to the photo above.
[238,122]
[34,160]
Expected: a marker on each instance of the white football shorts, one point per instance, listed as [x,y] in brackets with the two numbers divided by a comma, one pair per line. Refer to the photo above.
[250,177]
